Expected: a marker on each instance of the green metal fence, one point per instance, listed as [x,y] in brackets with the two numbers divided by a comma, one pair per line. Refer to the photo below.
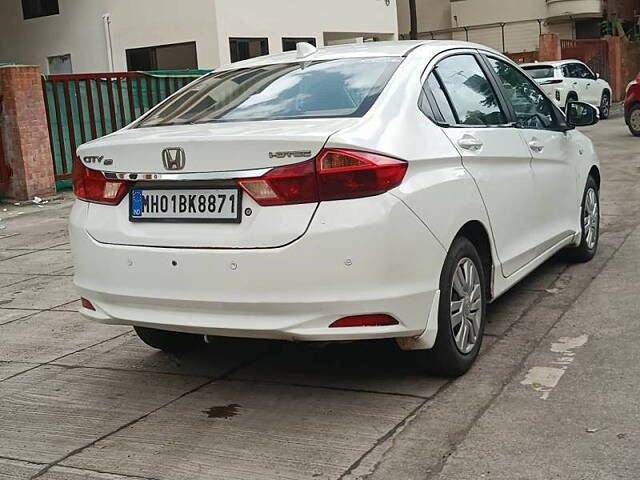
[82,107]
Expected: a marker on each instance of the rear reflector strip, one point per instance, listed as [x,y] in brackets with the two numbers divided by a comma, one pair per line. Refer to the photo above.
[372,320]
[87,304]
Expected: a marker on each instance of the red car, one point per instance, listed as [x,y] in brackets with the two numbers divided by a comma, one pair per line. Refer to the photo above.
[632,106]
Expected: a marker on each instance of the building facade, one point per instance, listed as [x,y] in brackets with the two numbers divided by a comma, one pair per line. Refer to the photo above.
[514,26]
[74,36]
[433,16]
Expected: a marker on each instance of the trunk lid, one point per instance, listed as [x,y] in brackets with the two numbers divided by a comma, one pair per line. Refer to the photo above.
[220,147]
[214,147]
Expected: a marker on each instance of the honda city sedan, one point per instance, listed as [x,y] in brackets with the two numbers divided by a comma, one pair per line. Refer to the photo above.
[381,190]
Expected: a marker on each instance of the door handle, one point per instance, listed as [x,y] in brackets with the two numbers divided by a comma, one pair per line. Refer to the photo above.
[471,143]
[535,146]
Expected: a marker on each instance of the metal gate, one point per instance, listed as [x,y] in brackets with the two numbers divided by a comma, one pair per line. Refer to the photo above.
[594,53]
[82,107]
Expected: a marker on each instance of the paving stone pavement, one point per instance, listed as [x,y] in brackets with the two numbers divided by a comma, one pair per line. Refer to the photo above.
[85,401]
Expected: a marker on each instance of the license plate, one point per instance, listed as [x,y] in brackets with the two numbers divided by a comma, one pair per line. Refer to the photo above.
[213,205]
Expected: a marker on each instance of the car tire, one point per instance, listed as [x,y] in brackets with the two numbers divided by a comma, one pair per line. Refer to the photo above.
[590,224]
[463,286]
[605,106]
[634,120]
[170,342]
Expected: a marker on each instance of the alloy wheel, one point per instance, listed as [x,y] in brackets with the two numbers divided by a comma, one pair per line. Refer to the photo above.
[591,218]
[604,107]
[466,305]
[634,120]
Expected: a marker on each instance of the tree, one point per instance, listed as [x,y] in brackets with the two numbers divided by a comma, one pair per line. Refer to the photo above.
[413,14]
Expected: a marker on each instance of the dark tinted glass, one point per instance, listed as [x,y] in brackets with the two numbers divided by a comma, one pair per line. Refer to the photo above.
[471,94]
[246,48]
[540,72]
[289,44]
[39,8]
[335,88]
[441,100]
[582,72]
[533,109]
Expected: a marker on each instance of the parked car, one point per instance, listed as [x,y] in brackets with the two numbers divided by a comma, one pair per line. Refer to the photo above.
[632,106]
[385,190]
[570,80]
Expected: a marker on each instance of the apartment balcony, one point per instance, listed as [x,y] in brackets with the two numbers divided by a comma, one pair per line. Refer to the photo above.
[574,9]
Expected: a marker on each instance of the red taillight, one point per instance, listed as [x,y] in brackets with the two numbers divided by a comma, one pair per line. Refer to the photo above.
[87,304]
[345,174]
[333,175]
[92,186]
[373,320]
[284,185]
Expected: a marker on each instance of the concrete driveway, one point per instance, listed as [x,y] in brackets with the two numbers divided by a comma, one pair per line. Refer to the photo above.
[554,394]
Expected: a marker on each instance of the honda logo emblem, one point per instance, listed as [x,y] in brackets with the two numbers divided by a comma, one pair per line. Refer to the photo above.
[173,158]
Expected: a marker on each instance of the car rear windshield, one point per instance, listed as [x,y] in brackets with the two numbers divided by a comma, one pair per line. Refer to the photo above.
[332,88]
[540,72]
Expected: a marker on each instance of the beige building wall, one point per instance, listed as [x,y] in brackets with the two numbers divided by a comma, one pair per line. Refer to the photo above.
[432,15]
[524,35]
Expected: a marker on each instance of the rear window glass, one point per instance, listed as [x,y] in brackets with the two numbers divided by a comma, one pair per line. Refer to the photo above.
[332,88]
[540,72]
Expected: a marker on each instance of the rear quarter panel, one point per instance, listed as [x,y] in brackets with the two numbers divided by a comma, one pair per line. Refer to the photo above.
[437,188]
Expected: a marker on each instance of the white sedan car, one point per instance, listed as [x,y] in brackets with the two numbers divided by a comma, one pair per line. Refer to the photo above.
[567,81]
[386,190]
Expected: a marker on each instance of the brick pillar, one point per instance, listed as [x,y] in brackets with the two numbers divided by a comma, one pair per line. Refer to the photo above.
[25,134]
[550,48]
[616,73]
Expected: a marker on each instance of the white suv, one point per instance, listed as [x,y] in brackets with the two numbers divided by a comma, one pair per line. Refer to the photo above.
[384,190]
[570,80]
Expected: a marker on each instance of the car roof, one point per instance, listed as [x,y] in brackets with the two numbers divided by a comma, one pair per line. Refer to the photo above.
[399,48]
[555,63]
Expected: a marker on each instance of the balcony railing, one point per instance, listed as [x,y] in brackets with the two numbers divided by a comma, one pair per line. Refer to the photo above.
[574,8]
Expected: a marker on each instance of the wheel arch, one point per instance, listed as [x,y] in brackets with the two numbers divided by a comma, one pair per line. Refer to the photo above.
[479,236]
[595,173]
[572,95]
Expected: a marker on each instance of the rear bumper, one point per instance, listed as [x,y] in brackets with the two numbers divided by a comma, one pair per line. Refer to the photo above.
[359,256]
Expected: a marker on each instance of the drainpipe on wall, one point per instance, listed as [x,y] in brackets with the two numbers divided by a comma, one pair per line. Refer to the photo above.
[106,19]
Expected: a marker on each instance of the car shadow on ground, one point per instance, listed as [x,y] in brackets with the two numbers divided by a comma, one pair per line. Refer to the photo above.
[377,365]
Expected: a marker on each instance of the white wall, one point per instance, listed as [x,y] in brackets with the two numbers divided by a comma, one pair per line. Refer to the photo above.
[79,30]
[478,12]
[276,19]
[146,23]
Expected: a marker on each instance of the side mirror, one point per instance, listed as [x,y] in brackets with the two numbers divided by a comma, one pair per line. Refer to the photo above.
[580,114]
[597,76]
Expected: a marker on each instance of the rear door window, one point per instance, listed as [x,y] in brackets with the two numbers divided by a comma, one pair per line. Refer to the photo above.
[472,97]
